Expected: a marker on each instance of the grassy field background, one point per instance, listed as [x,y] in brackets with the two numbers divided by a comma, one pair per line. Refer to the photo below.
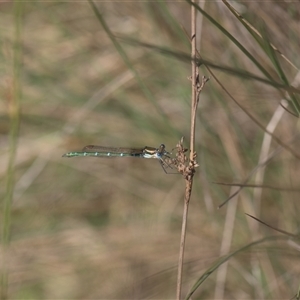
[91,228]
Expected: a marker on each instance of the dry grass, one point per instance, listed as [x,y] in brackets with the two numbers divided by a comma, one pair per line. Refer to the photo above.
[110,228]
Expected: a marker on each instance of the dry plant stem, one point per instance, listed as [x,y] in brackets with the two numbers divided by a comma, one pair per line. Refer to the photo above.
[188,181]
[188,171]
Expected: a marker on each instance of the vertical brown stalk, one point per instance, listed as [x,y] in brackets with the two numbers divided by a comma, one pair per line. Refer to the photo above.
[189,170]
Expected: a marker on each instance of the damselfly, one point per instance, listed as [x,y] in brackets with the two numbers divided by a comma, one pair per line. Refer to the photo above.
[159,153]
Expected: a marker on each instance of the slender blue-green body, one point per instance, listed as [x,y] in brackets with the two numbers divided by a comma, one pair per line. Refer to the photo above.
[100,151]
[147,152]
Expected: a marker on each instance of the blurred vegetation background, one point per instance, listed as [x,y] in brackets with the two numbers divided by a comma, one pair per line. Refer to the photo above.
[91,228]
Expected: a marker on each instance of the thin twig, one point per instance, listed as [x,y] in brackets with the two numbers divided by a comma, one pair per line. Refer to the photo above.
[188,170]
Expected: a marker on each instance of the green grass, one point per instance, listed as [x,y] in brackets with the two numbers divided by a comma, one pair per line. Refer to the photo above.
[110,228]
